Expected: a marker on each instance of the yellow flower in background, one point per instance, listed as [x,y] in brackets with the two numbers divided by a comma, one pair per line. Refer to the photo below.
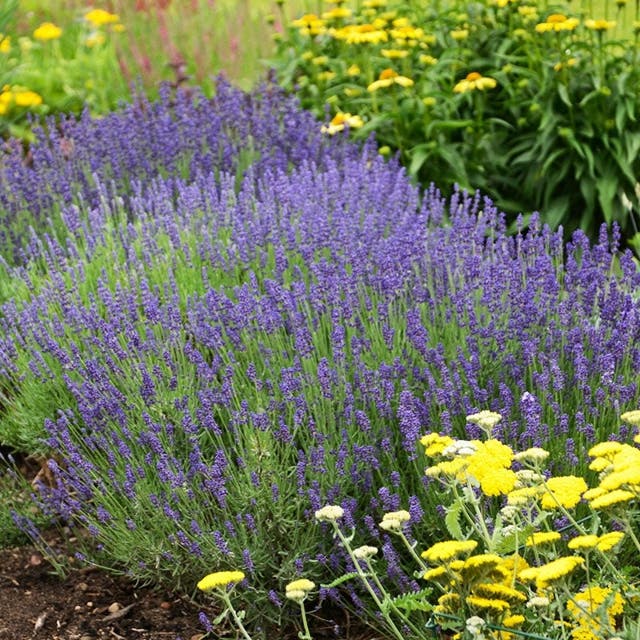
[434,443]
[394,54]
[319,60]
[326,76]
[427,59]
[588,606]
[605,449]
[387,78]
[5,43]
[220,579]
[374,4]
[100,17]
[360,34]
[309,24]
[338,13]
[47,31]
[26,98]
[342,120]
[474,80]
[564,491]
[353,70]
[459,34]
[600,25]
[557,22]
[406,32]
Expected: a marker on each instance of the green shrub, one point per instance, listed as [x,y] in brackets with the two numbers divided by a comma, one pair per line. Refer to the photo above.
[532,106]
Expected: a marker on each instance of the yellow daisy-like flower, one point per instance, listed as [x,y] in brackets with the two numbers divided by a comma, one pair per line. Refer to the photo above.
[340,121]
[540,538]
[557,22]
[448,550]
[600,25]
[220,579]
[387,78]
[473,81]
[611,499]
[47,31]
[5,43]
[565,491]
[582,543]
[100,17]
[427,59]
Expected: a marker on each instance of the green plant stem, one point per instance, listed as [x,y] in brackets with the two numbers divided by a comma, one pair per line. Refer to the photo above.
[392,626]
[305,624]
[236,618]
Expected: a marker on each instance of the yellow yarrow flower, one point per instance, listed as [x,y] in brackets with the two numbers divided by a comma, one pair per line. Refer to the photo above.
[533,454]
[607,541]
[473,81]
[600,25]
[220,579]
[588,605]
[542,537]
[632,417]
[582,543]
[47,31]
[564,491]
[523,496]
[360,34]
[448,550]
[100,17]
[499,591]
[5,43]
[338,13]
[552,571]
[611,499]
[298,589]
[557,22]
[434,444]
[485,419]
[491,604]
[605,449]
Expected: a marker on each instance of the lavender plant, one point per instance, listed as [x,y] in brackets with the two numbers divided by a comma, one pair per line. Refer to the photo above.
[254,321]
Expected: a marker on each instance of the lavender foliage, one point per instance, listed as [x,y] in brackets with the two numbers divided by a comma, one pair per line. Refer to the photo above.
[213,358]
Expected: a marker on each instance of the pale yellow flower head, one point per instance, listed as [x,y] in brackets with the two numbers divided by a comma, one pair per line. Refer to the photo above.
[448,550]
[557,22]
[330,513]
[632,417]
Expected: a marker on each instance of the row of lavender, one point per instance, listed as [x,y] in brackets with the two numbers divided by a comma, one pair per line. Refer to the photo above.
[230,322]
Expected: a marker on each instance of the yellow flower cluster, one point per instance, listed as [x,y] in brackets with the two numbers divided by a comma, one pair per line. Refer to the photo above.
[17,97]
[594,609]
[47,31]
[619,468]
